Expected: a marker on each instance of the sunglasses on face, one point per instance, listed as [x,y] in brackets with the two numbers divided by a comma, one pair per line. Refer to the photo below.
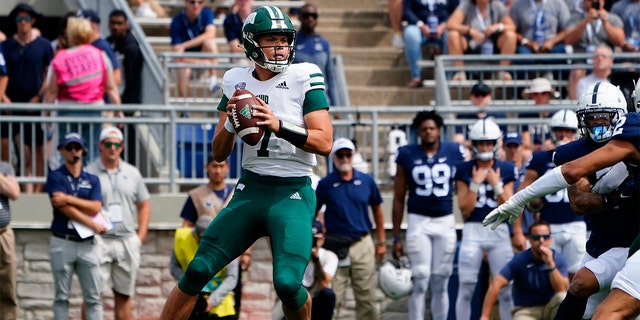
[70,147]
[309,15]
[109,144]
[540,236]
[26,19]
[341,155]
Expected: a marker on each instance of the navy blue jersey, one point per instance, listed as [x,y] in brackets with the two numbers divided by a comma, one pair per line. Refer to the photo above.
[430,178]
[613,228]
[556,209]
[486,200]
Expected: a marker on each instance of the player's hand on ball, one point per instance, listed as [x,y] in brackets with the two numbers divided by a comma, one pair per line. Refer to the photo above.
[508,210]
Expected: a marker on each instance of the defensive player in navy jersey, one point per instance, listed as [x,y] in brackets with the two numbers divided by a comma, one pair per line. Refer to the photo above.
[569,230]
[482,184]
[623,302]
[273,197]
[426,170]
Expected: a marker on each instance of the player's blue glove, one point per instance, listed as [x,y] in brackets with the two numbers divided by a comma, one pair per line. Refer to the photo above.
[509,210]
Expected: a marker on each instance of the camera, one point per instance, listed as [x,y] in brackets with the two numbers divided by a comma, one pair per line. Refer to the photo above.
[595,4]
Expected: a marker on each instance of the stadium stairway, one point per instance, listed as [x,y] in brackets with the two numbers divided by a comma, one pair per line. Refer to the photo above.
[359,31]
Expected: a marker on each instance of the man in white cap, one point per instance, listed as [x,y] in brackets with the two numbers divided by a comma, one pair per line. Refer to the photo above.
[534,135]
[347,193]
[123,193]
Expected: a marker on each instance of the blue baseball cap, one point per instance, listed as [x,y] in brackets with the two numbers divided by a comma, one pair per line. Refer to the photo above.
[512,137]
[88,14]
[71,137]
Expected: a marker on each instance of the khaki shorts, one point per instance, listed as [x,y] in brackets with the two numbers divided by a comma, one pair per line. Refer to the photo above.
[119,263]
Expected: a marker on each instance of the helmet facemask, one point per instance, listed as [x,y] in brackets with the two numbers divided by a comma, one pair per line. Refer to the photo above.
[598,123]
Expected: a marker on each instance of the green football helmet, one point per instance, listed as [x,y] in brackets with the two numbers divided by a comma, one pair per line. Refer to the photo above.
[267,20]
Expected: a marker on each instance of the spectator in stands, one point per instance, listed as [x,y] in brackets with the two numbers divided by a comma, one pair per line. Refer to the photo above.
[629,12]
[208,199]
[101,43]
[61,41]
[216,298]
[129,55]
[147,9]
[540,27]
[4,79]
[314,48]
[426,25]
[76,200]
[131,61]
[588,29]
[233,25]
[27,59]
[125,198]
[347,194]
[601,69]
[192,30]
[482,184]
[3,36]
[431,233]
[539,277]
[481,26]
[395,19]
[81,81]
[535,137]
[9,190]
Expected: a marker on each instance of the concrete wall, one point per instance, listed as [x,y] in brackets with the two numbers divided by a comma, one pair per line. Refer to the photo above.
[31,219]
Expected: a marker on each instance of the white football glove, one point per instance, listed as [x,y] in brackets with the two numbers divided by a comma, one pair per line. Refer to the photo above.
[612,179]
[509,210]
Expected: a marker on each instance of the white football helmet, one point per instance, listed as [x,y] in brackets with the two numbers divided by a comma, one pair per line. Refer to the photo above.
[636,97]
[394,279]
[563,119]
[601,101]
[484,130]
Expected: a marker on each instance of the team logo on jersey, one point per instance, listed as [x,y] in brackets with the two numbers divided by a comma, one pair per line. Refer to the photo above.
[441,160]
[282,85]
[240,85]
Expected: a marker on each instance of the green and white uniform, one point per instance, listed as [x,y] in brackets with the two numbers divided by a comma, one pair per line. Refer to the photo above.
[273,196]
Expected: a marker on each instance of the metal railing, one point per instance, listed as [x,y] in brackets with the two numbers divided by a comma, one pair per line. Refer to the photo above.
[174,156]
[523,68]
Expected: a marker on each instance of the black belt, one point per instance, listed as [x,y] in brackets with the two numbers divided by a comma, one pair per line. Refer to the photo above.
[71,237]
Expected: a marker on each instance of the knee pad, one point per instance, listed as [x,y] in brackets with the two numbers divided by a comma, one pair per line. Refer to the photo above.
[198,273]
[292,294]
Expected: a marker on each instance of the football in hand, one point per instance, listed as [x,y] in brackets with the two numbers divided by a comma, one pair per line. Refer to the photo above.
[243,120]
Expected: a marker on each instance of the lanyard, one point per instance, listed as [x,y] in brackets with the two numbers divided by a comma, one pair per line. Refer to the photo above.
[592,33]
[113,181]
[481,21]
[74,184]
[537,24]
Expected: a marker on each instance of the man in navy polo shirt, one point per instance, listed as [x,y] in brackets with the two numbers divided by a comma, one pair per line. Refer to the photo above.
[27,58]
[192,30]
[76,200]
[347,194]
[539,275]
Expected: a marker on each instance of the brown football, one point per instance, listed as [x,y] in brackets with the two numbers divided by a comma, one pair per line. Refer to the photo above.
[243,120]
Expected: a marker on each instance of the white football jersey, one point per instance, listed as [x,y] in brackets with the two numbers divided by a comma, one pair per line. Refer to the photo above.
[285,94]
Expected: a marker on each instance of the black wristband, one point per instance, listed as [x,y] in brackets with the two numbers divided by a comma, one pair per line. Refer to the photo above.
[297,135]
